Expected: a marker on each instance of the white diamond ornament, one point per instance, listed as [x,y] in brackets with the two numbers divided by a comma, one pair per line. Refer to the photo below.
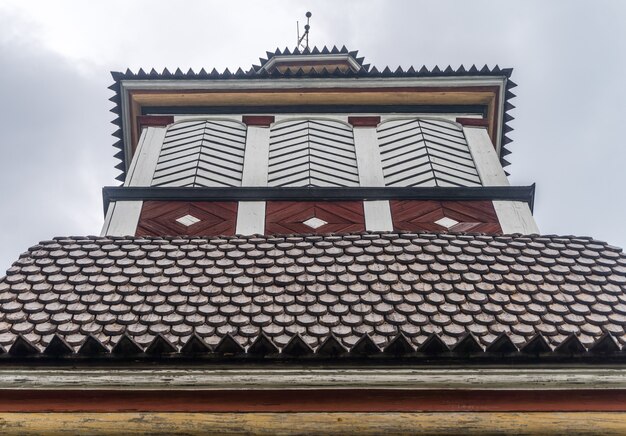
[446,222]
[314,223]
[188,220]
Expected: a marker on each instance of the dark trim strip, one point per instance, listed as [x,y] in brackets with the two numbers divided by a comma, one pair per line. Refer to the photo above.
[525,194]
[364,121]
[317,109]
[473,122]
[154,121]
[302,400]
[258,120]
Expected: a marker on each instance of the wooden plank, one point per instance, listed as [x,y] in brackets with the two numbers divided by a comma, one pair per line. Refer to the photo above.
[302,400]
[467,423]
[377,215]
[145,160]
[158,218]
[515,378]
[485,157]
[515,217]
[474,216]
[250,218]
[341,216]
[124,218]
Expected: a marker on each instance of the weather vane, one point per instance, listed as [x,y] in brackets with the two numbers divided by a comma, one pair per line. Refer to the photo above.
[303,41]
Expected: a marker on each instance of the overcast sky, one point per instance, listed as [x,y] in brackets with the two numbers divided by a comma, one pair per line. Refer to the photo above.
[55,56]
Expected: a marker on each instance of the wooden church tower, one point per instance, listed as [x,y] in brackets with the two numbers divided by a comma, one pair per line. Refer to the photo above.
[314,246]
[314,142]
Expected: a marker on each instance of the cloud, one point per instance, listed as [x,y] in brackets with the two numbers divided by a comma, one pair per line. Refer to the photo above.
[55,147]
[55,143]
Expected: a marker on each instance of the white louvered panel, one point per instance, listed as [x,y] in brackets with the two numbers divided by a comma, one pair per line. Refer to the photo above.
[312,153]
[202,154]
[418,152]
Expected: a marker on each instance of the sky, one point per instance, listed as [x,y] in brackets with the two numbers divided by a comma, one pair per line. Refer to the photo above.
[568,57]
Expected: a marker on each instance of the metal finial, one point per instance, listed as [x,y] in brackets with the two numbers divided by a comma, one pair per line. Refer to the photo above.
[303,41]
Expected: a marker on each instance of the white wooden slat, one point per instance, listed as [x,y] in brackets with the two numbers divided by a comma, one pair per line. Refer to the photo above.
[454,168]
[179,164]
[412,179]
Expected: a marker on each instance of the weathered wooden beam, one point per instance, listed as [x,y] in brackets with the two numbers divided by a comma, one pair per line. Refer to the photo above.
[607,378]
[465,423]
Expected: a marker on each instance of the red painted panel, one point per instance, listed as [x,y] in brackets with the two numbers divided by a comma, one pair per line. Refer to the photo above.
[364,121]
[285,217]
[473,122]
[158,218]
[418,215]
[258,120]
[300,400]
[154,120]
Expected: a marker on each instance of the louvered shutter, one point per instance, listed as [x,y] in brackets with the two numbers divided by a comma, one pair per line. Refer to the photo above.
[312,153]
[420,152]
[202,154]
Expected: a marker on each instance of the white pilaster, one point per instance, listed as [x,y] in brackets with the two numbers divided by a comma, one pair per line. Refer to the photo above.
[513,216]
[377,213]
[251,214]
[146,157]
[256,156]
[122,218]
[485,157]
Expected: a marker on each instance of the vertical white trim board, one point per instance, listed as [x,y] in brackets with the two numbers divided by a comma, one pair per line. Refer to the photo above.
[377,215]
[485,157]
[256,156]
[146,157]
[368,156]
[250,218]
[515,217]
[124,218]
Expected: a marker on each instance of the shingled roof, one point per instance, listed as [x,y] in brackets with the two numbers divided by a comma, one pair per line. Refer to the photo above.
[258,73]
[310,295]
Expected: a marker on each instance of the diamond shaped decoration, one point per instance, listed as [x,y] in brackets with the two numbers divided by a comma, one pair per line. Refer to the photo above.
[187,220]
[314,223]
[446,222]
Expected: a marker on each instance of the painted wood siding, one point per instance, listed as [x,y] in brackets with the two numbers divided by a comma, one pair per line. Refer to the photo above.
[208,218]
[202,153]
[463,216]
[286,217]
[425,152]
[312,153]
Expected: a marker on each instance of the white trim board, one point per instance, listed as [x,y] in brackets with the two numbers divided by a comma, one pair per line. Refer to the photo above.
[515,217]
[485,157]
[554,378]
[124,218]
[146,157]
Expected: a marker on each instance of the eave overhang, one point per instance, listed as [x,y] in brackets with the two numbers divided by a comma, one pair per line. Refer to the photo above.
[257,88]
